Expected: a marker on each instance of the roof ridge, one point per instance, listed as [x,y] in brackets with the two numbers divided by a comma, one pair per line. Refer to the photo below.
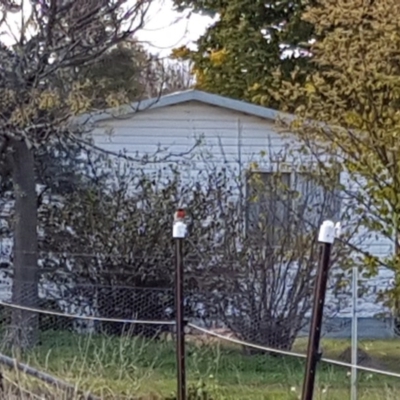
[180,97]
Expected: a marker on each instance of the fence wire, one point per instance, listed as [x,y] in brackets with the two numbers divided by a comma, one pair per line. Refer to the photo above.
[113,310]
[216,333]
[107,315]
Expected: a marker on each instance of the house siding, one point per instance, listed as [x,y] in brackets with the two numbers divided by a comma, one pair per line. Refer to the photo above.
[178,127]
[233,139]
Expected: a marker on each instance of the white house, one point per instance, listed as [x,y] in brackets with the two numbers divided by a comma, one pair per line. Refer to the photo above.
[235,133]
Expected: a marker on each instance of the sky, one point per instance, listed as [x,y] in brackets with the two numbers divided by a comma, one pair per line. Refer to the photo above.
[166,28]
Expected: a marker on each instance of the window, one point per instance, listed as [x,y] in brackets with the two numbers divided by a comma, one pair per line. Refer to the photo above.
[279,203]
[268,204]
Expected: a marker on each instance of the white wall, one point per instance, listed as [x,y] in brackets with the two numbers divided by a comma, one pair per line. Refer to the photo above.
[232,139]
[177,127]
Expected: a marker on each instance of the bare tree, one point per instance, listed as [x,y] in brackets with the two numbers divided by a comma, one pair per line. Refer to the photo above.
[250,263]
[262,268]
[39,94]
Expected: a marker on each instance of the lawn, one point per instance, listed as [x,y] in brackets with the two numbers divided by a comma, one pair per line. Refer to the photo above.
[132,368]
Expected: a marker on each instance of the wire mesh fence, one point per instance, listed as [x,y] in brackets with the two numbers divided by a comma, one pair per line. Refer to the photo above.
[123,335]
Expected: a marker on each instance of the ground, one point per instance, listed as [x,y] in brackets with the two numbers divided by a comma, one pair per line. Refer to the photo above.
[132,368]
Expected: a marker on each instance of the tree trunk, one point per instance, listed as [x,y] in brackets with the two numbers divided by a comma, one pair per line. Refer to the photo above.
[396,305]
[24,324]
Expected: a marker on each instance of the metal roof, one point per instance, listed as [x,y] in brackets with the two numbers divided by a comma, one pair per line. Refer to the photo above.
[183,97]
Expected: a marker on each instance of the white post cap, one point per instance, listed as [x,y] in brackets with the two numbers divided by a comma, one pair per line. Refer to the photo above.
[327,232]
[179,230]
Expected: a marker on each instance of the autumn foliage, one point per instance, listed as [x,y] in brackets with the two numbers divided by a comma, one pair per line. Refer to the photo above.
[348,111]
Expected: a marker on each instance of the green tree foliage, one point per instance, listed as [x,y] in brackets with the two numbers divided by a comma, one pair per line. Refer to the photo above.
[116,72]
[353,95]
[238,54]
[128,72]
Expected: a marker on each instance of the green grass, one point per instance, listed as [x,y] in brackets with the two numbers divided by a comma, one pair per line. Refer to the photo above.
[137,368]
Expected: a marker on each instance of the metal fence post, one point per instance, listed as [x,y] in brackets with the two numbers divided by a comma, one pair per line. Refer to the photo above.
[326,237]
[179,232]
[354,335]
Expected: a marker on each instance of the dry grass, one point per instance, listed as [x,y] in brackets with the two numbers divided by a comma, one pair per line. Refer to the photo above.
[136,369]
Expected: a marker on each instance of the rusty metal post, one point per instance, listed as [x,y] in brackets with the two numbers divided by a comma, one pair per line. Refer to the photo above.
[326,237]
[179,234]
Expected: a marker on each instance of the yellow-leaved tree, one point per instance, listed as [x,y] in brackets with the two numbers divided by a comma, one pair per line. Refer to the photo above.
[43,58]
[349,117]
